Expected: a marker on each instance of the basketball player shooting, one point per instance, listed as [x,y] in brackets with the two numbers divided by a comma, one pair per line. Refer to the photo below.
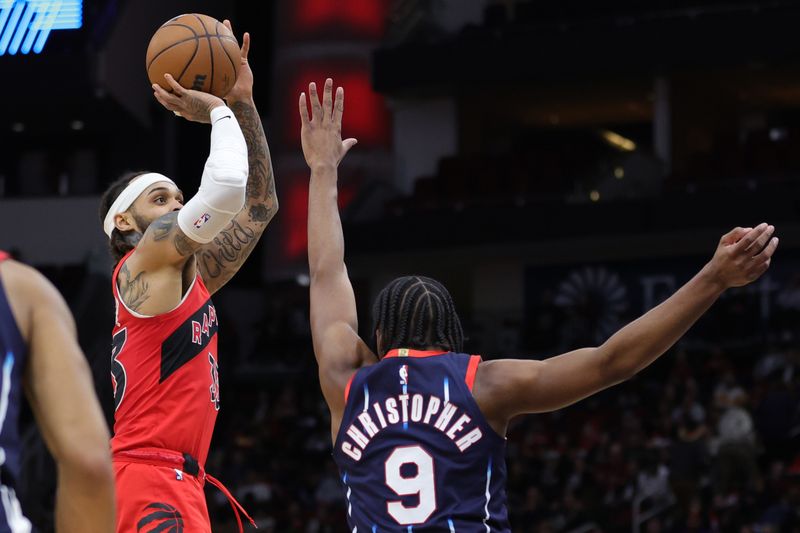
[42,356]
[170,258]
[419,430]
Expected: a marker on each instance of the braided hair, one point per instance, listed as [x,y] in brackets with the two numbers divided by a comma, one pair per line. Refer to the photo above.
[417,312]
[121,242]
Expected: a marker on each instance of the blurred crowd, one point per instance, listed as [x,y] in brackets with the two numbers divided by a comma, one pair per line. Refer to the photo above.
[707,439]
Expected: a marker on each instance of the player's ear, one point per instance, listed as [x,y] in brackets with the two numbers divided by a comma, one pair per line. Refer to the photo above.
[125,222]
[378,343]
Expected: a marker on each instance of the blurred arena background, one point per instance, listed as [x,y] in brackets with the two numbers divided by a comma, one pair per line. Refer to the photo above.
[560,166]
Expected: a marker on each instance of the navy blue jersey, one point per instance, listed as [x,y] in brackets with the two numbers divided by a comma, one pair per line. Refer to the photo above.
[13,352]
[414,450]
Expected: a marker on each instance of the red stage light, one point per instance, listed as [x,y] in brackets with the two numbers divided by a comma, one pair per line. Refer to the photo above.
[295,207]
[350,18]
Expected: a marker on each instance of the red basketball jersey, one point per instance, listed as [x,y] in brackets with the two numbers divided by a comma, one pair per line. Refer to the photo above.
[164,375]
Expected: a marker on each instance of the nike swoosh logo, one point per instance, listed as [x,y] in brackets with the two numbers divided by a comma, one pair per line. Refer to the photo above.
[220,118]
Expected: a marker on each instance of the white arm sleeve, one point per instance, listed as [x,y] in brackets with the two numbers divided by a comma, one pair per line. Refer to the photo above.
[222,188]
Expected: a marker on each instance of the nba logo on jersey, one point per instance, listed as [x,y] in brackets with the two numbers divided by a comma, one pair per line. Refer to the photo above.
[202,220]
[403,375]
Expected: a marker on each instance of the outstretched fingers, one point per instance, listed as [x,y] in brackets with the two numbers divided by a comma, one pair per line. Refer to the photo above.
[338,107]
[761,241]
[245,39]
[304,109]
[347,144]
[316,107]
[245,46]
[733,236]
[766,254]
[327,100]
[750,238]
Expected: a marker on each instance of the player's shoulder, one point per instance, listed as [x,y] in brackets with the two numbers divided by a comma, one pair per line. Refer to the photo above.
[28,290]
[26,280]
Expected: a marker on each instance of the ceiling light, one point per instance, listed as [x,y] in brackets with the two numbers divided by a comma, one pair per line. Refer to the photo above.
[618,141]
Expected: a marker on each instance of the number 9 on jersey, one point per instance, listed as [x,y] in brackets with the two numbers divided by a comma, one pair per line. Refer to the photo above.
[421,483]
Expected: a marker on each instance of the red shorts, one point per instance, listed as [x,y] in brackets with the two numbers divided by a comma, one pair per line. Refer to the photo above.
[158,498]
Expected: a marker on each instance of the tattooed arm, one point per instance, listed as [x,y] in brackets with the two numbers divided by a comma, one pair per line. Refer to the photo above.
[220,259]
[155,277]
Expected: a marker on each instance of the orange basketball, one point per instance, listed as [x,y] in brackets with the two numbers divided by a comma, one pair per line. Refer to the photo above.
[198,51]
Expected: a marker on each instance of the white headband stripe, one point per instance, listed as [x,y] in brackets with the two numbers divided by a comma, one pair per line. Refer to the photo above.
[129,195]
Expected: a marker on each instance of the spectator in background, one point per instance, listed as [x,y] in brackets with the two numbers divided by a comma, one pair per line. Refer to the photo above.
[652,481]
[688,460]
[735,464]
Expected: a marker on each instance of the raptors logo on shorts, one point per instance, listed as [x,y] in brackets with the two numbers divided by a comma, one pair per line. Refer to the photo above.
[160,518]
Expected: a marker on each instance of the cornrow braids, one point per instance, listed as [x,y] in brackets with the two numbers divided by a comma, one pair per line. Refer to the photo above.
[120,242]
[417,312]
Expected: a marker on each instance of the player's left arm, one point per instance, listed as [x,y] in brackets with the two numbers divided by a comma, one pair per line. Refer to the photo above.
[506,388]
[220,259]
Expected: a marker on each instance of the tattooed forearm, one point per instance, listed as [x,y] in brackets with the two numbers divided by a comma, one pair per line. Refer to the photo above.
[231,247]
[262,202]
[220,259]
[133,291]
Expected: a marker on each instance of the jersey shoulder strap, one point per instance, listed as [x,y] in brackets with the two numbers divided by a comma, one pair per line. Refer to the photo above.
[472,370]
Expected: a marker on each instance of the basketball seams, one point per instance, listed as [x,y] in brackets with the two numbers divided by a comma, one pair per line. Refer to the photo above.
[210,51]
[169,58]
[191,59]
[171,24]
[176,43]
[180,25]
[225,50]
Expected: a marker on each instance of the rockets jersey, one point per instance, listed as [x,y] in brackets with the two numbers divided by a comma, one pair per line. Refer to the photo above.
[165,376]
[414,451]
[14,354]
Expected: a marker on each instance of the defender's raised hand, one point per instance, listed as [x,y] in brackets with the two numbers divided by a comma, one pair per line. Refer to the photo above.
[187,103]
[321,134]
[743,255]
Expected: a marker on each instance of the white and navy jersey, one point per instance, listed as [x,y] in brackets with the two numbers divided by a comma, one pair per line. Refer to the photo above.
[414,451]
[13,352]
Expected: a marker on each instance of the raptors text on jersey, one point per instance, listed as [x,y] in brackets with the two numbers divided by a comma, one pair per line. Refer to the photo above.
[165,375]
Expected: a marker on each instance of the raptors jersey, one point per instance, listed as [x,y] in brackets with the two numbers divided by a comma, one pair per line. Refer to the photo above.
[164,374]
[414,450]
[14,353]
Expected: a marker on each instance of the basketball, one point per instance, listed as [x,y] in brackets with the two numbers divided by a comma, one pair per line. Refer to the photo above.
[198,51]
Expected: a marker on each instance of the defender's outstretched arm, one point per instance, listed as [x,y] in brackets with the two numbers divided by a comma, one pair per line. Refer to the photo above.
[505,388]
